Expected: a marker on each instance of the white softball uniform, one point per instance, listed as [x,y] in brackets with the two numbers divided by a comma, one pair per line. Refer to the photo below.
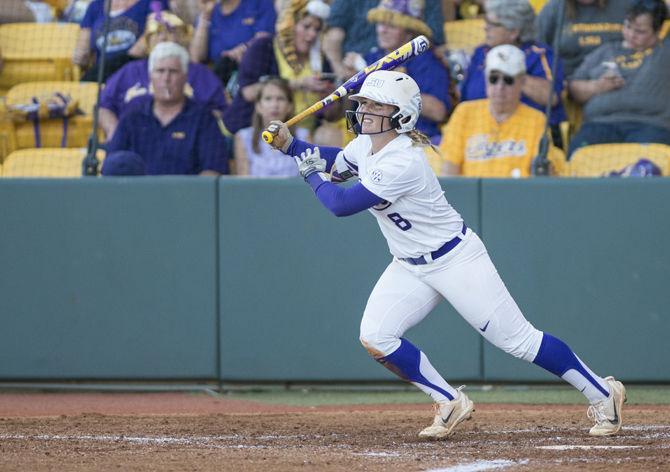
[437,258]
[416,219]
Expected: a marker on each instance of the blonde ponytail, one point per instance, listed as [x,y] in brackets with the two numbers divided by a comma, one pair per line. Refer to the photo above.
[420,139]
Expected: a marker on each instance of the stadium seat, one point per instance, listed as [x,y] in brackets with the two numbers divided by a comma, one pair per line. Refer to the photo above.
[598,160]
[37,52]
[46,162]
[556,156]
[7,137]
[464,35]
[51,130]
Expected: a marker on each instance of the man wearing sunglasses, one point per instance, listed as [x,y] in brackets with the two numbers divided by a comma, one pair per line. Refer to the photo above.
[513,22]
[497,136]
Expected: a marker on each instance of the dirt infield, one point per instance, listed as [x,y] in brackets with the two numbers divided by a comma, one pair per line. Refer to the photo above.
[165,432]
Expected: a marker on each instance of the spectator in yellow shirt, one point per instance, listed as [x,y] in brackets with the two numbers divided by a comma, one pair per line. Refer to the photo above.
[497,136]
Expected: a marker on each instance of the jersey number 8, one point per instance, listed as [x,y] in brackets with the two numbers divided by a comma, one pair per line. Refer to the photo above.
[399,221]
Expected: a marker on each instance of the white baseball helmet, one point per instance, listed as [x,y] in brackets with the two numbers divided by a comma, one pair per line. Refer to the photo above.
[397,89]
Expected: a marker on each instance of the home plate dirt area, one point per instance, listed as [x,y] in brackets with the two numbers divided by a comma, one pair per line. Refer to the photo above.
[178,431]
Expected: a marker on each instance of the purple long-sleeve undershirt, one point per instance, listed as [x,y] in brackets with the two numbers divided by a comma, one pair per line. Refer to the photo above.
[342,201]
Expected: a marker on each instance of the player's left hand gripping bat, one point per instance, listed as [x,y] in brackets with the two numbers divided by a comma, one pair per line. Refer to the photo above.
[417,46]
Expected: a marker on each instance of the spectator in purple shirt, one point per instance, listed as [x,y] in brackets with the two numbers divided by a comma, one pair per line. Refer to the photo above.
[224,29]
[132,80]
[167,133]
[128,18]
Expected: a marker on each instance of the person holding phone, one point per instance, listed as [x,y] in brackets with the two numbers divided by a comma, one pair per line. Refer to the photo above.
[293,54]
[623,85]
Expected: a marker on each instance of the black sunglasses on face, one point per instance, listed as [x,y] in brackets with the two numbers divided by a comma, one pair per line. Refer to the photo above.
[494,78]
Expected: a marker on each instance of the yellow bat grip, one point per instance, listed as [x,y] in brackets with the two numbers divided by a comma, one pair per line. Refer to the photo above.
[270,133]
[272,130]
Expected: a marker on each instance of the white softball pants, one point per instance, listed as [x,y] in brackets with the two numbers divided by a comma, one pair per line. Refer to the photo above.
[466,277]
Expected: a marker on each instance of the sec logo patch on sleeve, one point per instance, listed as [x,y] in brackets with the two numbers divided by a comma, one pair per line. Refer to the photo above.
[376,175]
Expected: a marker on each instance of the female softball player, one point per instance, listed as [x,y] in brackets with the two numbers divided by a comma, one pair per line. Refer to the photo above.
[435,255]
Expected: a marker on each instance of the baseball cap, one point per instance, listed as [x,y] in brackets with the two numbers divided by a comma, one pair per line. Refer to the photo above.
[641,168]
[163,20]
[119,163]
[508,59]
[318,8]
[405,14]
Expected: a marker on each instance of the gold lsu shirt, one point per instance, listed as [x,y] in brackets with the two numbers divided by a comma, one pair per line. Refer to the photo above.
[482,147]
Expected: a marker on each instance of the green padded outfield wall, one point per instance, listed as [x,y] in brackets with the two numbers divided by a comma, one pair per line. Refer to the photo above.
[252,280]
[108,278]
[588,261]
[295,280]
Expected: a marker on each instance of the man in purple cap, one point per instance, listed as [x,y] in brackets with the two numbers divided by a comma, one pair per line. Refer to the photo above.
[123,164]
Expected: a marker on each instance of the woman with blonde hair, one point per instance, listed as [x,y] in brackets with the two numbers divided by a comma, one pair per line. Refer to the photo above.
[293,54]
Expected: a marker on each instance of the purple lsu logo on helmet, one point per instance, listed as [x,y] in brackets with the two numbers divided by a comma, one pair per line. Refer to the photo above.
[641,168]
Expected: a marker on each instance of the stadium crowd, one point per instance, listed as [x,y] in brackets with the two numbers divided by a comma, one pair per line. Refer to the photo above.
[189,85]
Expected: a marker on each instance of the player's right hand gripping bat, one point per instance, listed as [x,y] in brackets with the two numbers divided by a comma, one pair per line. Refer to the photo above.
[417,46]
